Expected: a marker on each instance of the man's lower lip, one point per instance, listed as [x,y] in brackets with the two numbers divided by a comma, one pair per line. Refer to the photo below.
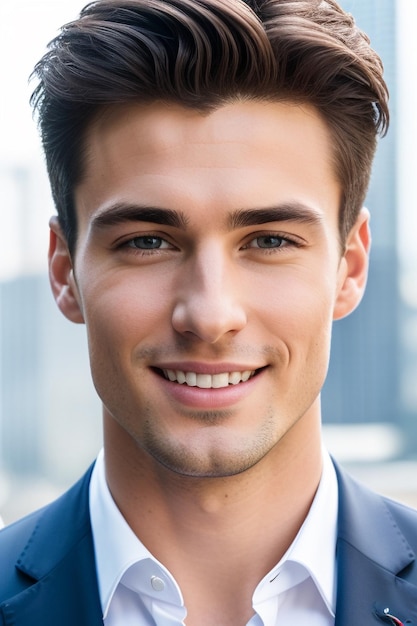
[197,397]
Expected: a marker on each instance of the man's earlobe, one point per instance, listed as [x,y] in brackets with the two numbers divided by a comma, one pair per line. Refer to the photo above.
[353,270]
[61,275]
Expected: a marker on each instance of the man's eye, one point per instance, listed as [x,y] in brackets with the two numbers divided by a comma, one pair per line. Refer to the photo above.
[147,242]
[267,241]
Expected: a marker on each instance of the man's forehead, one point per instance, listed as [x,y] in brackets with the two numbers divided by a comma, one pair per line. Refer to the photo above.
[165,123]
[155,156]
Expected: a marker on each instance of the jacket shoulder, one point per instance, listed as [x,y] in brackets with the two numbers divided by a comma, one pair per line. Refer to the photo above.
[50,531]
[381,528]
[406,519]
[13,540]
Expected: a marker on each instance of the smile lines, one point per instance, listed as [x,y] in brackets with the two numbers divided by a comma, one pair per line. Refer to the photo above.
[208,381]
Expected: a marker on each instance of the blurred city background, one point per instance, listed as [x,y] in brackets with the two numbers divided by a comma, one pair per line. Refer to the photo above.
[50,426]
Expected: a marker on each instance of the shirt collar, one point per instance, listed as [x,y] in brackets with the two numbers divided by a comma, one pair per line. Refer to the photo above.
[312,553]
[315,547]
[125,559]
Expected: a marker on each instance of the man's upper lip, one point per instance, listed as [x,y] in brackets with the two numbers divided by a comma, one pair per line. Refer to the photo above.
[206,368]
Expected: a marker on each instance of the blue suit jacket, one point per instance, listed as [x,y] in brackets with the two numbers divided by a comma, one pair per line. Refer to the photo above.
[48,578]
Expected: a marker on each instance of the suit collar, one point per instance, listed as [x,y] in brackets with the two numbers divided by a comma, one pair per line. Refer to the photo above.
[372,556]
[59,558]
[69,512]
[367,523]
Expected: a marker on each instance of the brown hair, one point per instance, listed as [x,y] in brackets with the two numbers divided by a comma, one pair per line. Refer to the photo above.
[202,53]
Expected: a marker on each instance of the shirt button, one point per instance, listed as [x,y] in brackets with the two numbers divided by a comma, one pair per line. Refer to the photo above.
[157,583]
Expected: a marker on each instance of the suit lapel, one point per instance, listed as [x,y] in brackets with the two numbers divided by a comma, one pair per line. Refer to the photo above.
[366,589]
[372,552]
[59,560]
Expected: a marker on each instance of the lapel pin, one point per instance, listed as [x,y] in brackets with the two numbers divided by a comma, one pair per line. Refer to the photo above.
[386,615]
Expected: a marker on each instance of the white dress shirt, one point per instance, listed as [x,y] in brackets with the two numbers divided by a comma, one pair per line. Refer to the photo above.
[136,589]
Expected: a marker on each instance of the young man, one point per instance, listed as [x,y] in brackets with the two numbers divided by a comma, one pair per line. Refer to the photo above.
[209,161]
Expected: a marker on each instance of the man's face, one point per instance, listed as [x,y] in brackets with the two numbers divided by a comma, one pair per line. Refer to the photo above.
[208,272]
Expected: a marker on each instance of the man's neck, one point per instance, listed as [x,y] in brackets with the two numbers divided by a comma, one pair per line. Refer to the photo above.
[217,536]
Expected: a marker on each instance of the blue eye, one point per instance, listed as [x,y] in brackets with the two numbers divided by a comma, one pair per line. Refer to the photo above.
[147,242]
[267,241]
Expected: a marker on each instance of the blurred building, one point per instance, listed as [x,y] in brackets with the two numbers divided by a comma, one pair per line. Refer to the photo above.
[49,415]
[364,382]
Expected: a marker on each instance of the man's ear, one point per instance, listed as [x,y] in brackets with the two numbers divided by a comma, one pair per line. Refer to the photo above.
[353,268]
[61,275]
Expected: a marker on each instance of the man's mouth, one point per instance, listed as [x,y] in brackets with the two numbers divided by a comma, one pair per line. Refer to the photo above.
[207,381]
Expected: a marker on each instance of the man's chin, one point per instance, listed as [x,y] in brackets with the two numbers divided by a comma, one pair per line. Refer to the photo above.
[217,463]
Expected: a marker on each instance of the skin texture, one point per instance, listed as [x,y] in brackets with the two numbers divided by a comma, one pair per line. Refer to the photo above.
[239,269]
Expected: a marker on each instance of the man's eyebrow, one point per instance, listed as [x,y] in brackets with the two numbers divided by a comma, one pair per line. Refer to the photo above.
[121,212]
[289,212]
[125,212]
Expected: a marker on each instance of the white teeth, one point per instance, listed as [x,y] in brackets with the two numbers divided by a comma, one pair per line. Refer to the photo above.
[191,379]
[204,381]
[208,381]
[220,380]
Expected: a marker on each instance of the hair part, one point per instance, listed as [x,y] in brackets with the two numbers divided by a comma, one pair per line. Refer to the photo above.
[202,54]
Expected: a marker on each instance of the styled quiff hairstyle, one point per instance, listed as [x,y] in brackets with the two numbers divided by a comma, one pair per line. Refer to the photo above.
[202,54]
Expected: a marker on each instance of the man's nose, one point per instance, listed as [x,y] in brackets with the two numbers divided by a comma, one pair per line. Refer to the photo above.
[209,300]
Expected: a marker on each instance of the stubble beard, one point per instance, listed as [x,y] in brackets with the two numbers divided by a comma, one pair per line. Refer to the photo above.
[220,459]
